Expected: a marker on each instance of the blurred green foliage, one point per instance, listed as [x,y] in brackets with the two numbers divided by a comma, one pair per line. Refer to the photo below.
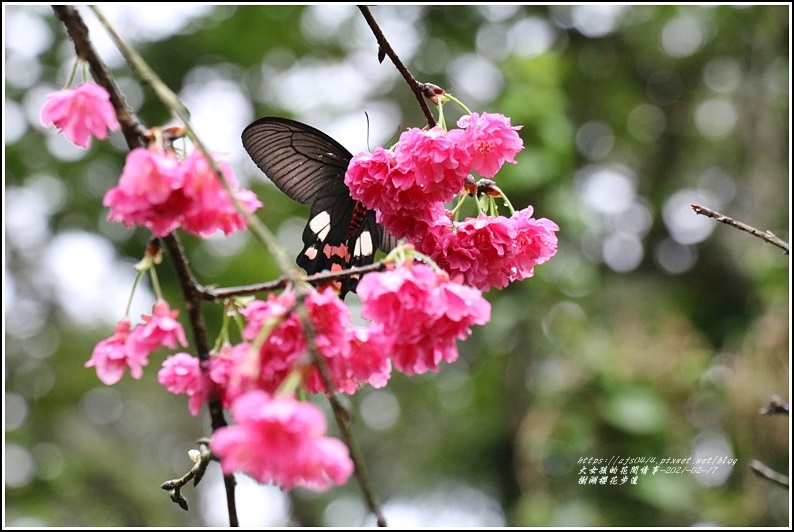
[652,333]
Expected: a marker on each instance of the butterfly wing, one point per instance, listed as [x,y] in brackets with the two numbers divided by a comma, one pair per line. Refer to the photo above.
[309,167]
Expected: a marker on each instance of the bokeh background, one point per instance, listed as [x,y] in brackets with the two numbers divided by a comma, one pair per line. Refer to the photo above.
[654,332]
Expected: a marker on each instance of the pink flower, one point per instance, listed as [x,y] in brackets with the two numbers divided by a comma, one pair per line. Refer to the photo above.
[330,319]
[490,141]
[370,178]
[477,249]
[492,251]
[159,192]
[369,356]
[159,329]
[81,112]
[353,356]
[408,187]
[234,370]
[536,242]
[434,163]
[281,350]
[281,440]
[211,208]
[424,312]
[181,374]
[149,192]
[285,349]
[112,357]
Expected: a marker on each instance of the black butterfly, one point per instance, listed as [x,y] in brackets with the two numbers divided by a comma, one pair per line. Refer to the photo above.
[309,166]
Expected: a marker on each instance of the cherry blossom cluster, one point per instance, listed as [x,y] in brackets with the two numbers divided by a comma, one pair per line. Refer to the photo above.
[281,440]
[409,186]
[304,338]
[158,191]
[129,347]
[417,316]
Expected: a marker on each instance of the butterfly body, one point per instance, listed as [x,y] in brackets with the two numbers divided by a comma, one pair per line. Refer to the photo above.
[309,166]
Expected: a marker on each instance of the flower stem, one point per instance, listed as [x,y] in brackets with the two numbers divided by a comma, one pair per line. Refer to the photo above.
[462,106]
[72,73]
[132,293]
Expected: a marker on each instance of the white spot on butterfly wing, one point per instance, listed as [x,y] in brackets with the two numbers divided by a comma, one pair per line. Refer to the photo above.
[321,225]
[310,253]
[363,247]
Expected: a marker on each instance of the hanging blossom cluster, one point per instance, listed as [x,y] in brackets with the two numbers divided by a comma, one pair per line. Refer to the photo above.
[130,347]
[417,314]
[158,191]
[281,440]
[409,186]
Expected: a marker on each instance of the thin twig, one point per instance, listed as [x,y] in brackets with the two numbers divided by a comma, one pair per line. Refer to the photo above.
[768,473]
[340,415]
[775,406]
[766,236]
[386,49]
[219,294]
[201,460]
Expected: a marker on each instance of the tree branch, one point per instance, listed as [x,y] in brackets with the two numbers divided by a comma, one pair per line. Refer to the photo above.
[775,406]
[135,137]
[219,294]
[766,236]
[385,49]
[768,473]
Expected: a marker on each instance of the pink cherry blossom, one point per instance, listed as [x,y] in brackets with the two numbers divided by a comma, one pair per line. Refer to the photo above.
[330,321]
[111,356]
[234,370]
[281,440]
[149,192]
[353,356]
[211,208]
[536,242]
[490,140]
[80,113]
[282,348]
[424,311]
[181,374]
[369,355]
[370,178]
[285,349]
[161,193]
[158,330]
[476,248]
[492,251]
[435,163]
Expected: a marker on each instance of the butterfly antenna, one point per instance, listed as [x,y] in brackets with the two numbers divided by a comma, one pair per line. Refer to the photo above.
[366,114]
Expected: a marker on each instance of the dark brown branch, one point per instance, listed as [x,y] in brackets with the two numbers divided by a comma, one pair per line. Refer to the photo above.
[386,49]
[766,236]
[219,294]
[192,293]
[78,33]
[768,473]
[135,137]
